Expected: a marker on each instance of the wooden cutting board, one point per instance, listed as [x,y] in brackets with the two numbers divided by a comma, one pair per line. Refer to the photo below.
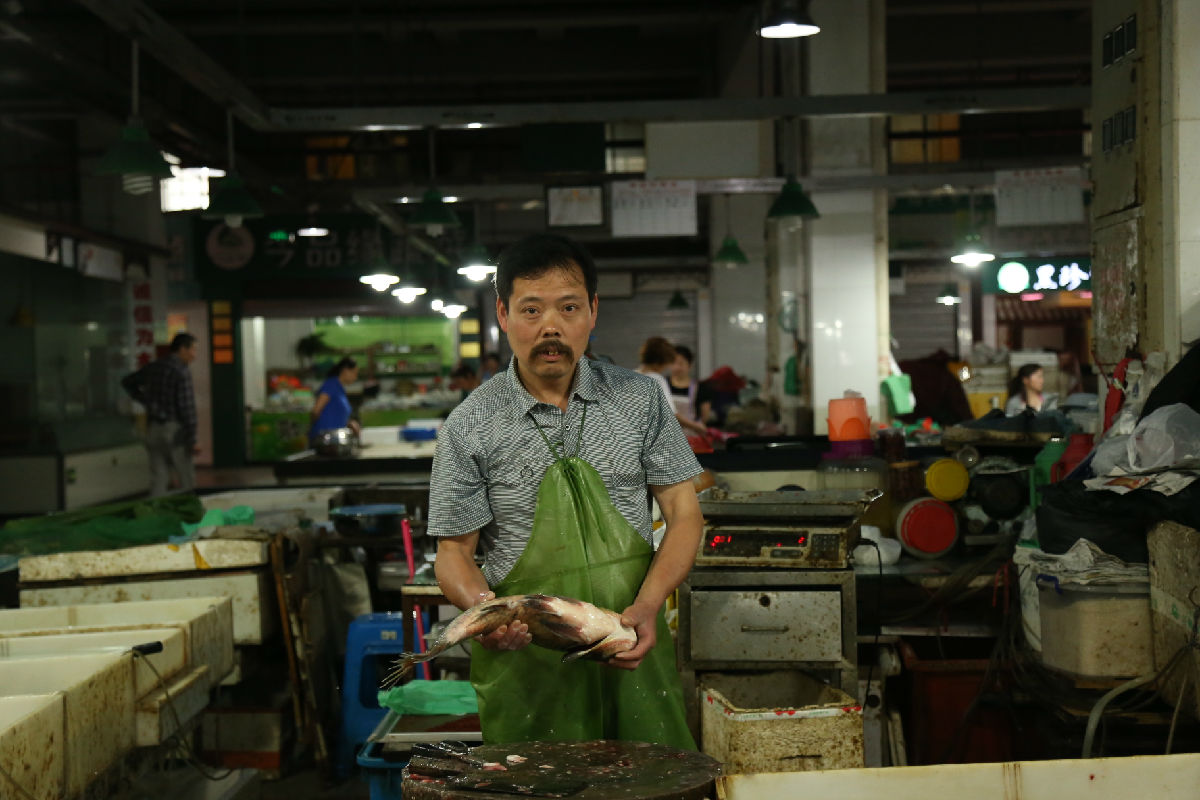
[606,769]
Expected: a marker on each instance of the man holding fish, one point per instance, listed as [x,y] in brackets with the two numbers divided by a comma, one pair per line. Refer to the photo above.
[547,465]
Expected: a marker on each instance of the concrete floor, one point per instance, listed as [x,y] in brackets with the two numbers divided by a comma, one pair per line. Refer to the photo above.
[307,785]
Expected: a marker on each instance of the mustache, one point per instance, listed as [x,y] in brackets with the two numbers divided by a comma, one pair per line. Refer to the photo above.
[546,347]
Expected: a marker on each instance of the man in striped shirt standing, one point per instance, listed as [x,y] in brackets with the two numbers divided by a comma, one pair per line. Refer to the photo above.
[164,388]
[549,466]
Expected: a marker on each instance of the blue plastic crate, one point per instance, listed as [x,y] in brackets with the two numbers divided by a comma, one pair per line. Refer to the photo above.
[384,777]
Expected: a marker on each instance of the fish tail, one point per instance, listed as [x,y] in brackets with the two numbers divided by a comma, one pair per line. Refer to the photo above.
[401,667]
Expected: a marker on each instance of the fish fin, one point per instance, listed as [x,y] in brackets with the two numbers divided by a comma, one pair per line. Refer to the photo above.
[583,651]
[541,604]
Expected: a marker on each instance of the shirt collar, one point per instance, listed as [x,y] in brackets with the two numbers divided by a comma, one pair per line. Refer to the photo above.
[583,385]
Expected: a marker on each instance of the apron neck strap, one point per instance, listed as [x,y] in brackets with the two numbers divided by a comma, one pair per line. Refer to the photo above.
[546,439]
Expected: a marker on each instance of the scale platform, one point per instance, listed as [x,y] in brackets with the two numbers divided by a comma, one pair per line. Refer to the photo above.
[790,530]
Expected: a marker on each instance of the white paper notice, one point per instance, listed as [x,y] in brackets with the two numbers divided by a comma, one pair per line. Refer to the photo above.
[654,208]
[1052,196]
[574,205]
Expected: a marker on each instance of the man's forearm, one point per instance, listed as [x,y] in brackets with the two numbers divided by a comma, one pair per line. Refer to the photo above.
[459,576]
[673,561]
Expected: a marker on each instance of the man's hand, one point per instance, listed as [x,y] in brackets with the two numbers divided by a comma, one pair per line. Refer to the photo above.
[506,637]
[644,620]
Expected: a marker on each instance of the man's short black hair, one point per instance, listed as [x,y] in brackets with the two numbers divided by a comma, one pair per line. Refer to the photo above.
[535,255]
[182,341]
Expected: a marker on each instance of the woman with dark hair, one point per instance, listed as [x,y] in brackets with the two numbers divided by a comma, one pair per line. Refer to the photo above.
[332,408]
[683,391]
[656,356]
[1025,391]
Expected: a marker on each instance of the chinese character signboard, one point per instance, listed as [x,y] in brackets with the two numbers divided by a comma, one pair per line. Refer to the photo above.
[1014,276]
[146,290]
[270,249]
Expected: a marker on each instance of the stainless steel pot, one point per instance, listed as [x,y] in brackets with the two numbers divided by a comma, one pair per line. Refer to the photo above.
[337,443]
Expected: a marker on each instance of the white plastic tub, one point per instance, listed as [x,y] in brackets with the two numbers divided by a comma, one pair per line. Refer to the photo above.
[1174,777]
[98,703]
[1096,631]
[207,623]
[31,746]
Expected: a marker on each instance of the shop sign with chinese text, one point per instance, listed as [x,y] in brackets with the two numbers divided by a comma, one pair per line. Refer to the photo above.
[1017,275]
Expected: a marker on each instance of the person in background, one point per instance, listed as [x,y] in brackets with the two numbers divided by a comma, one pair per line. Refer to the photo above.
[332,407]
[1025,391]
[654,359]
[464,379]
[164,388]
[490,366]
[938,392]
[716,394]
[683,392]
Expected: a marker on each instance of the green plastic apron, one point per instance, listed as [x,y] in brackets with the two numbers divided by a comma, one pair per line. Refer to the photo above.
[580,547]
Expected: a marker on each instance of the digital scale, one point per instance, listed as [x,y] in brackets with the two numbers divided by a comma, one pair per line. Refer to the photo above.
[793,530]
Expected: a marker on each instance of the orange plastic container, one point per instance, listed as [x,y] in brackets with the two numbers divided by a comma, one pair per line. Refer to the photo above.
[848,419]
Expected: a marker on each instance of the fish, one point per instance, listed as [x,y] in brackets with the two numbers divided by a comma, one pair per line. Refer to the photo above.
[556,623]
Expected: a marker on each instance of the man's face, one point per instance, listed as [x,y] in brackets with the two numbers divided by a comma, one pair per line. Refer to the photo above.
[188,354]
[548,321]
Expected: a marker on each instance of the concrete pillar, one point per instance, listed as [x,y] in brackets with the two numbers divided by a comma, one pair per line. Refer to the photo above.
[739,320]
[847,246]
[1179,307]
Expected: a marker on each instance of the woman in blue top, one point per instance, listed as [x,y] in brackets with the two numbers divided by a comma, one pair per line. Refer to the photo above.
[332,409]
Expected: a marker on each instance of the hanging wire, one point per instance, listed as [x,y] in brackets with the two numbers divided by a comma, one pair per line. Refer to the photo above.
[229,139]
[134,68]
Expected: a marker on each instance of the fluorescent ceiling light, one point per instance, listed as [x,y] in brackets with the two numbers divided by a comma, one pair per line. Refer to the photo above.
[312,231]
[453,310]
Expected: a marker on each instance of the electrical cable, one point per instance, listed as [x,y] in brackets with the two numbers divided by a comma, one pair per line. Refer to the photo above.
[878,620]
[1183,687]
[188,754]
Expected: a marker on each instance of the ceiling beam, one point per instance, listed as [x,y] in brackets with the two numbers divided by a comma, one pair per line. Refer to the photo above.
[863,105]
[159,38]
[983,9]
[341,24]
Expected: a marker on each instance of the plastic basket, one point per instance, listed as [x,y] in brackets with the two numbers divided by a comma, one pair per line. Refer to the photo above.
[384,778]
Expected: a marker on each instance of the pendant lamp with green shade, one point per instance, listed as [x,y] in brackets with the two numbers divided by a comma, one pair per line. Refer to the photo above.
[231,201]
[792,201]
[134,157]
[730,253]
[677,301]
[434,214]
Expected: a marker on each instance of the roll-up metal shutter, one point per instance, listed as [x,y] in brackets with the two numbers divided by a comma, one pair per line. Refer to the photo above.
[624,323]
[920,324]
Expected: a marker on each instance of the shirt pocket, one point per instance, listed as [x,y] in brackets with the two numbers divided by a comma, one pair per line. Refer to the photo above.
[515,471]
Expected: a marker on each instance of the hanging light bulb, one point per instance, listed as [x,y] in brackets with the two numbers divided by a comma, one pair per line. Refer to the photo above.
[792,201]
[407,294]
[133,156]
[453,310]
[972,253]
[730,253]
[437,304]
[789,20]
[380,281]
[475,264]
[949,295]
[230,200]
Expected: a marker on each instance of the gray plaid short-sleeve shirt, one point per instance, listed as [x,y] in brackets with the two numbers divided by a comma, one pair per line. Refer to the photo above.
[490,458]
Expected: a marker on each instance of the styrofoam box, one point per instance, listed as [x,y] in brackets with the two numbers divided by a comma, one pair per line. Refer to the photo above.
[760,722]
[1097,631]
